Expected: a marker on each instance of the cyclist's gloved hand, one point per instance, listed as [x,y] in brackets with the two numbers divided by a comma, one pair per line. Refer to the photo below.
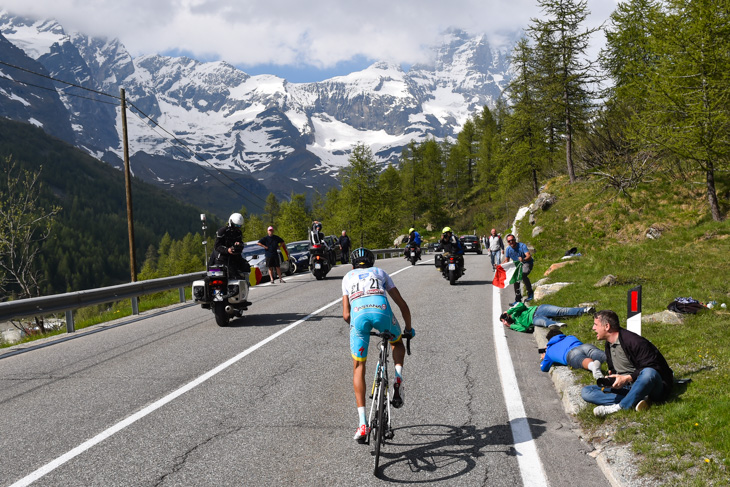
[409,333]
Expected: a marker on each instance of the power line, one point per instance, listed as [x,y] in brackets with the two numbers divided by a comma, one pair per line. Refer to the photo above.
[176,147]
[197,156]
[143,116]
[56,91]
[116,97]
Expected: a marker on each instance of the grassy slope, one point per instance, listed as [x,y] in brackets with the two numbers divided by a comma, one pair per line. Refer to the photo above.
[685,441]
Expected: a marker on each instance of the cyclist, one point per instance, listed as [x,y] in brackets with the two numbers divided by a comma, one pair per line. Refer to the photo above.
[365,306]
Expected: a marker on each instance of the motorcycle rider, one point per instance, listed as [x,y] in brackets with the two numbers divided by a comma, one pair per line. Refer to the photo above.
[228,247]
[451,244]
[414,239]
[316,237]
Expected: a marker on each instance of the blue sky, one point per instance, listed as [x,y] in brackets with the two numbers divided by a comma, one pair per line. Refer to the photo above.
[299,41]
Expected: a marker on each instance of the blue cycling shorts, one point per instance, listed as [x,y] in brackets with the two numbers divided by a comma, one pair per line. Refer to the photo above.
[368,313]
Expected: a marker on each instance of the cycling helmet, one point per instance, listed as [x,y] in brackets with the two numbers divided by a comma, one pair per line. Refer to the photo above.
[446,229]
[411,230]
[317,226]
[235,220]
[362,257]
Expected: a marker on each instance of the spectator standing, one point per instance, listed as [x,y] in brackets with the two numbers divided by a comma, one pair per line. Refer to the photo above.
[495,246]
[639,371]
[345,247]
[518,252]
[271,243]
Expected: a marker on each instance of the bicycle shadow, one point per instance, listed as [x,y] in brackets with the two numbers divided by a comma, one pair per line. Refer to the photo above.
[443,452]
[253,319]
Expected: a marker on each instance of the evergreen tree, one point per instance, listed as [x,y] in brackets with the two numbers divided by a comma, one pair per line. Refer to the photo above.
[688,93]
[561,46]
[359,198]
[271,209]
[293,219]
[525,130]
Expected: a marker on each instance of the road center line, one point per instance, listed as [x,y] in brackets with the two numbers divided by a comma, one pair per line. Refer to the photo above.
[49,467]
[531,469]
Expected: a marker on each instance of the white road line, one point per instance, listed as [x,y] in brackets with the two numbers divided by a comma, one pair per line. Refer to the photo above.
[531,469]
[49,467]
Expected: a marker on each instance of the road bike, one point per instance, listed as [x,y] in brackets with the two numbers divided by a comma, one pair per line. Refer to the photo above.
[381,428]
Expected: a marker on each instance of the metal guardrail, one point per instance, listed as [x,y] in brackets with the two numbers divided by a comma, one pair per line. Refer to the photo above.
[68,302]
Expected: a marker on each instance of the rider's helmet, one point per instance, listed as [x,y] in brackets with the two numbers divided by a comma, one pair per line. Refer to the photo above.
[411,230]
[317,227]
[362,258]
[446,230]
[235,220]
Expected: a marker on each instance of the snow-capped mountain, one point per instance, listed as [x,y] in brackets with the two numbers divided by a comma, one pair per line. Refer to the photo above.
[289,136]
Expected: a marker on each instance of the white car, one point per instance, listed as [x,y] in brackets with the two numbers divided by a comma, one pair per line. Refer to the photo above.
[255,256]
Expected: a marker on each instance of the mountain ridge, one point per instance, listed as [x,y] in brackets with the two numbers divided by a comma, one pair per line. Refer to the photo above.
[261,124]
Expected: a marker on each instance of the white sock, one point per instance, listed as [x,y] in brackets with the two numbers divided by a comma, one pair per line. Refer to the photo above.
[361,414]
[399,371]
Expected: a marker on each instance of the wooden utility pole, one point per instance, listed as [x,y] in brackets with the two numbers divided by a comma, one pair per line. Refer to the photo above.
[128,185]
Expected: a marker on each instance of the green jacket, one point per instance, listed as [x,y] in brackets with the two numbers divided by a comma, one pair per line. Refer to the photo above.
[522,315]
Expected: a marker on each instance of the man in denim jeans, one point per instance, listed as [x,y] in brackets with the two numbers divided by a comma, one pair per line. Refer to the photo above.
[521,317]
[640,372]
[518,252]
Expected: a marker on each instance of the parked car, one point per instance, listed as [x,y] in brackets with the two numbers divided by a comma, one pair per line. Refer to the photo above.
[334,243]
[299,254]
[432,246]
[254,254]
[471,243]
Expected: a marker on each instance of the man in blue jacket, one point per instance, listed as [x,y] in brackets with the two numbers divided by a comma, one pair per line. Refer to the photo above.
[568,350]
[518,252]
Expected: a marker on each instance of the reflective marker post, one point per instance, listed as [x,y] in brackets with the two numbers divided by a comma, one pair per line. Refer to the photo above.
[633,314]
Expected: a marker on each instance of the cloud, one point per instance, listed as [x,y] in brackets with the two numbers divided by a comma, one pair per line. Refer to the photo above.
[287,32]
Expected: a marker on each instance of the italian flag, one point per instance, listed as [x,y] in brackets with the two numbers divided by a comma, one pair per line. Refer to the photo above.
[507,273]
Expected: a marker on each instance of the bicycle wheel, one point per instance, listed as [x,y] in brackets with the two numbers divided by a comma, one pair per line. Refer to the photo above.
[380,432]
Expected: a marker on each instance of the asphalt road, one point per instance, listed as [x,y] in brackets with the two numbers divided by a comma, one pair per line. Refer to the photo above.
[107,408]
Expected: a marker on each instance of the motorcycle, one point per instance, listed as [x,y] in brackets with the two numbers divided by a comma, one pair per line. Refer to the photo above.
[451,266]
[413,253]
[319,261]
[225,297]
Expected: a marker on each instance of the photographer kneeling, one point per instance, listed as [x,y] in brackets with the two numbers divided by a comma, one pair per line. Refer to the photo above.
[639,371]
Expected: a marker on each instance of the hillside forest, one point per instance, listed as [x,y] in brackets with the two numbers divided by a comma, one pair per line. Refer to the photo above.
[654,105]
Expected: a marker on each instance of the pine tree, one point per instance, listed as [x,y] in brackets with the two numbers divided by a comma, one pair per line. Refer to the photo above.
[688,92]
[561,46]
[359,196]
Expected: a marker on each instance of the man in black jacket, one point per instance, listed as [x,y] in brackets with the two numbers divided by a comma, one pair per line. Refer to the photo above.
[344,244]
[639,371]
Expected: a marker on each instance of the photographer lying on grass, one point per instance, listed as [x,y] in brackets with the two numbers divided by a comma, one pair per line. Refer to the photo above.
[568,350]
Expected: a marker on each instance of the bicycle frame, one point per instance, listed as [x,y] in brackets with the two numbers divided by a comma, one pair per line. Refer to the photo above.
[380,380]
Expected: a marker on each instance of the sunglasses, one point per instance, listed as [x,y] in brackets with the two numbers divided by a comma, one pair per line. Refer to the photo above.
[510,241]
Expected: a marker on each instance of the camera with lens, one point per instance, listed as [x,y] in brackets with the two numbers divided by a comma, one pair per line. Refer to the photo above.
[237,248]
[606,381]
[541,350]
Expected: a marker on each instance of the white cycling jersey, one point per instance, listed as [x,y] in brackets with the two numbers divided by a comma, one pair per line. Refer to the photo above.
[372,281]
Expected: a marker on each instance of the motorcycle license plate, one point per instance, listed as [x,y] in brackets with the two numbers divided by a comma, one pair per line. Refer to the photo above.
[317,266]
[452,267]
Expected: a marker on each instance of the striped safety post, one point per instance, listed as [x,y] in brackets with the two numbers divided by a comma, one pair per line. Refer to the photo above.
[633,314]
